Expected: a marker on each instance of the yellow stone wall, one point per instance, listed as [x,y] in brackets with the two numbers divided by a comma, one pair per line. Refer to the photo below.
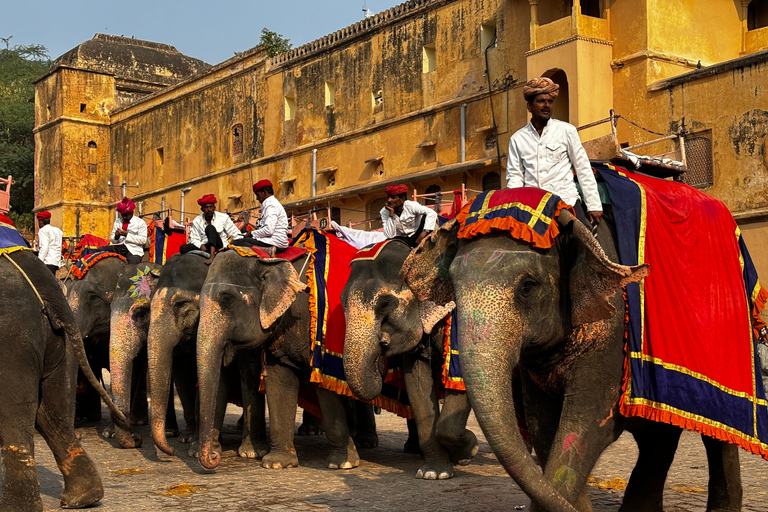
[617,61]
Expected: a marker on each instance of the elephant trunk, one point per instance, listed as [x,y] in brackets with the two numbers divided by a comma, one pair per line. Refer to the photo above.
[124,344]
[490,344]
[362,350]
[211,338]
[163,337]
[76,341]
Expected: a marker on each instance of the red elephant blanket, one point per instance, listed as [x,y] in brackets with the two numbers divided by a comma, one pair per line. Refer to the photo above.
[691,356]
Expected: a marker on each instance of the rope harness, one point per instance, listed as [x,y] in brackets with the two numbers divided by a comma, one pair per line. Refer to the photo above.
[27,278]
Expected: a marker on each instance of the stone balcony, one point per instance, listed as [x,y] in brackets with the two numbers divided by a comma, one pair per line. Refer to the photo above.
[564,29]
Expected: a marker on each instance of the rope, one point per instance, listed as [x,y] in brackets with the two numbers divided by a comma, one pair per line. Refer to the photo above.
[638,126]
[27,278]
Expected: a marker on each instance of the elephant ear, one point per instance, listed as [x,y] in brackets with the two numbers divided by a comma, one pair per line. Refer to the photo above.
[431,314]
[426,270]
[280,284]
[594,279]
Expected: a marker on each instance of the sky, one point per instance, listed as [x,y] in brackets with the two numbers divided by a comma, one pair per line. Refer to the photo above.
[205,29]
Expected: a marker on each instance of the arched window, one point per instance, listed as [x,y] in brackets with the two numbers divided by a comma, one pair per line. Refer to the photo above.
[757,14]
[560,109]
[237,139]
[491,181]
[433,189]
[92,145]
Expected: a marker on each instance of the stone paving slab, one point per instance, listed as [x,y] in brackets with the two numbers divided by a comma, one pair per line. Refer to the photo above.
[140,480]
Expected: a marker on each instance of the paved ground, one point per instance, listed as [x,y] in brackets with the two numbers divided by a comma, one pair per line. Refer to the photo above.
[144,479]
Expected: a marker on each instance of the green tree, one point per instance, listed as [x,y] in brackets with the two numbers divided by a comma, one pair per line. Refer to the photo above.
[274,43]
[20,65]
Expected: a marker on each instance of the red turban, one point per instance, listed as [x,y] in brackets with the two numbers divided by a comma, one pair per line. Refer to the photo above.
[125,206]
[396,190]
[207,199]
[43,215]
[260,185]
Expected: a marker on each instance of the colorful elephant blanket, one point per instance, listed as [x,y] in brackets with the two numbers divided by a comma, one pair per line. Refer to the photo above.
[327,275]
[84,264]
[88,244]
[161,245]
[10,239]
[528,213]
[691,356]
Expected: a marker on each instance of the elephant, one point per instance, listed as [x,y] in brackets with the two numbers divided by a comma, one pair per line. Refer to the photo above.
[384,319]
[171,345]
[40,350]
[90,299]
[556,313]
[129,326]
[248,303]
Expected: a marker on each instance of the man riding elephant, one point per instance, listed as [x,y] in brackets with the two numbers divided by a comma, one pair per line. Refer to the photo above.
[404,218]
[271,233]
[210,230]
[129,233]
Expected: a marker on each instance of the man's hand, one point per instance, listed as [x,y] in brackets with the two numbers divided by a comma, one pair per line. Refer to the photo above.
[421,237]
[120,232]
[595,217]
[390,209]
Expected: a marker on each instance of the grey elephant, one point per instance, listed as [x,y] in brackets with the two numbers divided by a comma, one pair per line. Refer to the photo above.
[40,348]
[172,346]
[557,313]
[129,327]
[384,319]
[248,303]
[90,299]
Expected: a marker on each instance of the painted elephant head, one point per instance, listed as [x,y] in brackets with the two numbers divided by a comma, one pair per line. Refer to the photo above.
[174,311]
[91,297]
[129,324]
[383,318]
[242,303]
[515,302]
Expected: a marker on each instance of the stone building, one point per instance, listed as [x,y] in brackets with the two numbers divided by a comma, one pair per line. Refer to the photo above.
[404,97]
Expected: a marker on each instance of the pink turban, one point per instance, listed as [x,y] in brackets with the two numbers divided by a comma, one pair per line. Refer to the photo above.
[541,85]
[125,206]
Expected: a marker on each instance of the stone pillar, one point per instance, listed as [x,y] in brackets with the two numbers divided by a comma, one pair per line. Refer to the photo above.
[534,21]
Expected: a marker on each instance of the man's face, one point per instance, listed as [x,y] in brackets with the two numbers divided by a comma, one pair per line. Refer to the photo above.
[208,210]
[127,216]
[541,107]
[395,202]
[261,195]
[40,223]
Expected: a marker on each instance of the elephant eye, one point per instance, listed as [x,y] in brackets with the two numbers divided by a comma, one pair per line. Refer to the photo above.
[386,304]
[527,287]
[226,300]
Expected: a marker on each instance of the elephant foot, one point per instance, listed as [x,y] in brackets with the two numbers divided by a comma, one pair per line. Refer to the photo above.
[462,452]
[139,419]
[368,439]
[435,471]
[253,450]
[171,432]
[82,485]
[187,435]
[92,417]
[280,458]
[83,497]
[346,458]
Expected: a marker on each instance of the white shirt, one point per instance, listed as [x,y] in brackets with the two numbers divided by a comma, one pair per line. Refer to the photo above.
[409,219]
[49,242]
[547,161]
[358,238]
[136,238]
[273,224]
[224,227]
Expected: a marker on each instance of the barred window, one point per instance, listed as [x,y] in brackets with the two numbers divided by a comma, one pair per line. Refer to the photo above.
[237,139]
[698,156]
